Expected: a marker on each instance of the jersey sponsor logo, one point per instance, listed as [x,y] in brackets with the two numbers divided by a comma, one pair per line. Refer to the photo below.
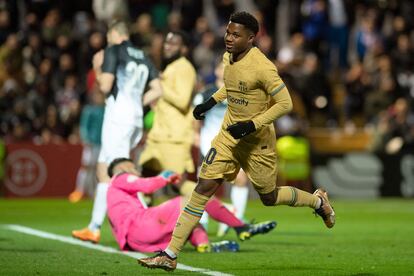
[238,101]
[242,86]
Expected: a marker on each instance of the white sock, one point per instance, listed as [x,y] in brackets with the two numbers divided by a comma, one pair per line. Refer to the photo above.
[204,220]
[81,180]
[239,197]
[99,207]
[170,253]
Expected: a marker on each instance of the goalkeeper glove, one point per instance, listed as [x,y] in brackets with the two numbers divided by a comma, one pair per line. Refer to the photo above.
[171,177]
[241,129]
[200,109]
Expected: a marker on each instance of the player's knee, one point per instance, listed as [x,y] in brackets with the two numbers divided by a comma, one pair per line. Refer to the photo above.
[207,187]
[269,199]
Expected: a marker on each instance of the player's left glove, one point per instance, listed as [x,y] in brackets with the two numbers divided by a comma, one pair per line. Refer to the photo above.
[171,177]
[241,129]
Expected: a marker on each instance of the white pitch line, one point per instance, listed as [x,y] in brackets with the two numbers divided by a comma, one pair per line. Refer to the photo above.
[106,249]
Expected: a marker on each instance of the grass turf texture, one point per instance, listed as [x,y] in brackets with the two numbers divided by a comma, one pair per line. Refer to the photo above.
[371,238]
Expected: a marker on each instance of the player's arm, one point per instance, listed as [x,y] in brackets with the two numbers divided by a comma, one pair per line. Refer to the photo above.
[273,85]
[155,90]
[276,88]
[104,64]
[283,105]
[154,93]
[219,96]
[133,184]
[180,95]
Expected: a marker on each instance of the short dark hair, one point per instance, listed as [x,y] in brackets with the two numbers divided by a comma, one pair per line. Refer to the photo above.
[185,38]
[245,19]
[115,162]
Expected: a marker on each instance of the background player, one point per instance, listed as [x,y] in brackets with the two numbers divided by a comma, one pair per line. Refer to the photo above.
[90,129]
[247,137]
[169,142]
[147,229]
[122,72]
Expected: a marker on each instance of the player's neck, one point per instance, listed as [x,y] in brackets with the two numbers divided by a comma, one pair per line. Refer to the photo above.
[239,56]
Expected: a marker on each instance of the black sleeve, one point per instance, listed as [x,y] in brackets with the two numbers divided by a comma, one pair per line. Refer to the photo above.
[153,72]
[110,60]
[210,90]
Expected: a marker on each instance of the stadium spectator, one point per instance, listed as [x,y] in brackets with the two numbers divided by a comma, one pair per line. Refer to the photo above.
[403,60]
[394,130]
[358,84]
[41,30]
[5,26]
[142,31]
[314,26]
[107,11]
[315,90]
[201,26]
[52,131]
[204,55]
[366,37]
[384,88]
[338,34]
[127,212]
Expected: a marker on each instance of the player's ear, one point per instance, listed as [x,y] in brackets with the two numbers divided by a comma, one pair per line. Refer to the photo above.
[251,38]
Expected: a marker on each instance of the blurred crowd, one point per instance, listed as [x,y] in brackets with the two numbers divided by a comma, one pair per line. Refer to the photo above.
[348,64]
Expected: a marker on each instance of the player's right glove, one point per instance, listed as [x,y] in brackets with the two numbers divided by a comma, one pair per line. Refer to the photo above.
[201,109]
[241,129]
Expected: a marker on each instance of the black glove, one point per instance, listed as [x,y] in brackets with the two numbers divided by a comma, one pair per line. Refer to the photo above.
[241,129]
[200,109]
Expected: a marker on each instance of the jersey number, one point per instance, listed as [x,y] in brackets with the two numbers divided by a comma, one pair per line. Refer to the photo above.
[137,77]
[210,156]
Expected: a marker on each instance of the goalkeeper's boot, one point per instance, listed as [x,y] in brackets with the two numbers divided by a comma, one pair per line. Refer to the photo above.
[250,230]
[217,247]
[86,234]
[161,260]
[326,211]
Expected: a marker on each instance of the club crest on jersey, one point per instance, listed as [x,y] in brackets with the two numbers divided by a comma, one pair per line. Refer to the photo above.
[242,86]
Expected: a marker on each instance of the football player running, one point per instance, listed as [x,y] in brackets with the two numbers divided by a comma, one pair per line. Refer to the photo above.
[256,97]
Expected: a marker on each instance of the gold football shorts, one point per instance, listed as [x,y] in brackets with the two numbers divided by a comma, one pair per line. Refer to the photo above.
[224,161]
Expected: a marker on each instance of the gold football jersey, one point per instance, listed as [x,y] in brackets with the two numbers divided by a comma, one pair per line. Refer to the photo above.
[249,85]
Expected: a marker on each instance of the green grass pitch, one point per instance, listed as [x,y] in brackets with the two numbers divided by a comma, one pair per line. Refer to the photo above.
[371,237]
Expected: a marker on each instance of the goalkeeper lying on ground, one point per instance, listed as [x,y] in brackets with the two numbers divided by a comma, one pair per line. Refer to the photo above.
[149,229]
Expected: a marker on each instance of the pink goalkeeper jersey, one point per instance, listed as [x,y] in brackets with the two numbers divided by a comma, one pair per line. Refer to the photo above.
[123,204]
